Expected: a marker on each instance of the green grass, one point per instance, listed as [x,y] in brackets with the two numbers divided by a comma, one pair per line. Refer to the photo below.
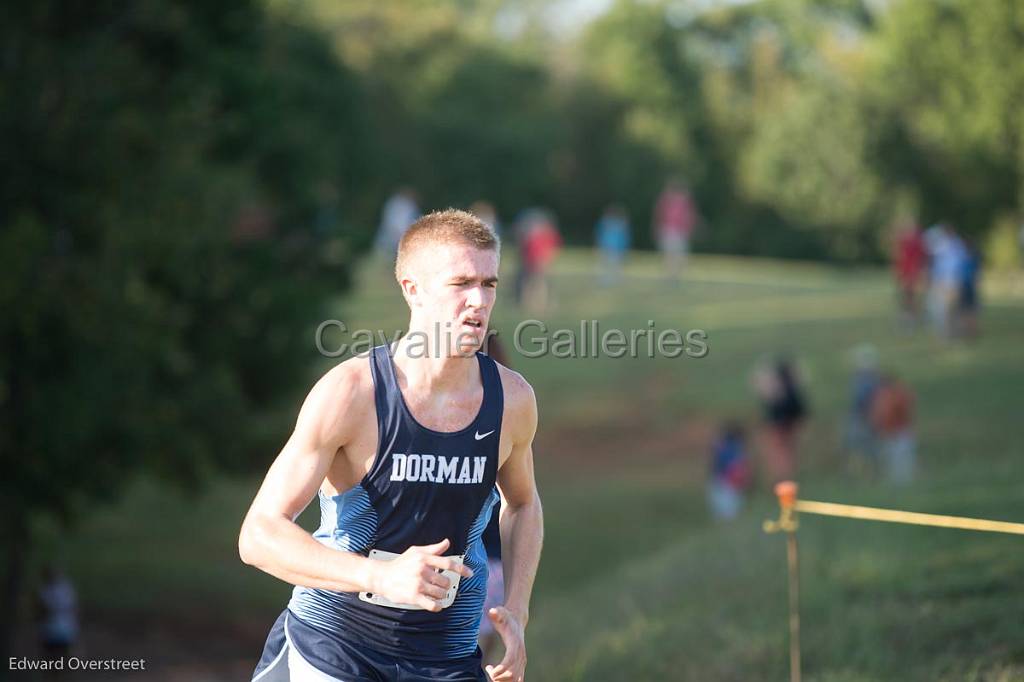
[636,583]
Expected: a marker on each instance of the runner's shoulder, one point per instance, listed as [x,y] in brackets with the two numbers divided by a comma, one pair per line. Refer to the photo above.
[520,400]
[341,398]
[348,379]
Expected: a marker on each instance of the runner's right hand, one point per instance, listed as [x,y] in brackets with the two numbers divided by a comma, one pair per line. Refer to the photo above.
[413,577]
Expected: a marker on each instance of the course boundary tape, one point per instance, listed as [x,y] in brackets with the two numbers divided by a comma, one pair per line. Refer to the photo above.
[790,506]
[850,511]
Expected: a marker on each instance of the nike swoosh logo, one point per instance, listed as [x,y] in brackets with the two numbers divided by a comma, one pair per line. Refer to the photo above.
[481,436]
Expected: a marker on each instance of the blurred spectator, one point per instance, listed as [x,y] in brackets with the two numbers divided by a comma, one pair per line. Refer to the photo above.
[967,314]
[946,253]
[784,406]
[539,243]
[675,216]
[730,473]
[484,210]
[860,439]
[892,415]
[57,608]
[909,262]
[612,238]
[399,212]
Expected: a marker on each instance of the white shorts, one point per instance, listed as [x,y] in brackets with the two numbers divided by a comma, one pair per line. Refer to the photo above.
[289,665]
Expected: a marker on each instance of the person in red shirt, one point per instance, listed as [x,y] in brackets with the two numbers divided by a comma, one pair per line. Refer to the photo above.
[909,261]
[539,244]
[675,217]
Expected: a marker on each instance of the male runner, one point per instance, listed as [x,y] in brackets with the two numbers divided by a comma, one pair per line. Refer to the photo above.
[407,450]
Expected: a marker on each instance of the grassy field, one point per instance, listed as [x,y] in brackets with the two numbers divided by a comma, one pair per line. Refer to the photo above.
[636,582]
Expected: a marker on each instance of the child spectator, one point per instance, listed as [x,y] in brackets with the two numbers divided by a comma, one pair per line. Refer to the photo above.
[892,415]
[730,473]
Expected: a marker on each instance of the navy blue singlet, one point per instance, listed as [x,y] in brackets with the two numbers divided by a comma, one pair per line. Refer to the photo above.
[424,486]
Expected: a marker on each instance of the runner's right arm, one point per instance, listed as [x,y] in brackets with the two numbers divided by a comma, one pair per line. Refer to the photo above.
[271,540]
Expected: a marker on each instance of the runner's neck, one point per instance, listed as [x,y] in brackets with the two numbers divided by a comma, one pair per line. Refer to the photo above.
[421,368]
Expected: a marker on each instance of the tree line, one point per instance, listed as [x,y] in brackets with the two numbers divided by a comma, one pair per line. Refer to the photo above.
[804,128]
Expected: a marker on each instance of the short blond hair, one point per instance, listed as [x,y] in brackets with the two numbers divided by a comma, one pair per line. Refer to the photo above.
[450,226]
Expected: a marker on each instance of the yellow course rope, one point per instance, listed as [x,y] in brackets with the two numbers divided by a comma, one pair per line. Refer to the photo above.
[898,516]
[790,506]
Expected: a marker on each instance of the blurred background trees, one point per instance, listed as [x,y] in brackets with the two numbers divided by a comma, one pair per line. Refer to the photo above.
[803,128]
[175,180]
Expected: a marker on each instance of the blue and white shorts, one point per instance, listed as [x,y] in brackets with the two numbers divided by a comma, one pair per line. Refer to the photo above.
[297,652]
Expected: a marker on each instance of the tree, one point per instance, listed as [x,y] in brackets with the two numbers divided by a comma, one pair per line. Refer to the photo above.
[950,72]
[166,163]
[811,162]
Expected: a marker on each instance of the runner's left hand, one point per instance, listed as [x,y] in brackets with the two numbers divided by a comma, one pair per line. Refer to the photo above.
[513,666]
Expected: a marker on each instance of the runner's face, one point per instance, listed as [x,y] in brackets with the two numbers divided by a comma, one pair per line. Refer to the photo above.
[459,285]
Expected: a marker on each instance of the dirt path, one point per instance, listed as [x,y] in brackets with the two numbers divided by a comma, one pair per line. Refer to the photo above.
[636,439]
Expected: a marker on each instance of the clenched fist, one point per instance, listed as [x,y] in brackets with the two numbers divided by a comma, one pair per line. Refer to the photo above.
[413,577]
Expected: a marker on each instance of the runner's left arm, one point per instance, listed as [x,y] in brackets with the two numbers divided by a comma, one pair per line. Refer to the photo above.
[522,533]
